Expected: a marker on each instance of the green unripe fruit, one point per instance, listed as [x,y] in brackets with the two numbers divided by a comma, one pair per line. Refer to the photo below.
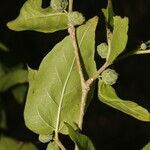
[45,138]
[59,5]
[109,76]
[76,18]
[102,50]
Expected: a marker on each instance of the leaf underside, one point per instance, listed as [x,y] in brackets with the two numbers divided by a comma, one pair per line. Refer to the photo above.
[33,17]
[108,96]
[119,38]
[82,141]
[54,90]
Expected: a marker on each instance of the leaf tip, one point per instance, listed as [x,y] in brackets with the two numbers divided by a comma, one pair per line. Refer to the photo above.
[96,18]
[11,25]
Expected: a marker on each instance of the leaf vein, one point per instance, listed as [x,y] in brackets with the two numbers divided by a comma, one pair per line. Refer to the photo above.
[43,119]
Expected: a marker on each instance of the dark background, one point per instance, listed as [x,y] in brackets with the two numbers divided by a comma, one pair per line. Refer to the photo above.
[108,128]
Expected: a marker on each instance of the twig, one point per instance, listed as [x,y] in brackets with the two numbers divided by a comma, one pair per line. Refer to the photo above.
[84,84]
[97,74]
[85,93]
[72,32]
[70,6]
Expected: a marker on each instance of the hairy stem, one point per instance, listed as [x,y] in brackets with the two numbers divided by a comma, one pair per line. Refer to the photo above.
[83,106]
[97,74]
[85,93]
[85,84]
[131,53]
[70,5]
[72,32]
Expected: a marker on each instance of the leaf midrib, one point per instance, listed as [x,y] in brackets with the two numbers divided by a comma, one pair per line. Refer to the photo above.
[62,95]
[64,87]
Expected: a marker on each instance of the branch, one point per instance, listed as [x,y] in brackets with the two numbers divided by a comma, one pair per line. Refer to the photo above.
[85,84]
[92,79]
[72,32]
[70,6]
[86,90]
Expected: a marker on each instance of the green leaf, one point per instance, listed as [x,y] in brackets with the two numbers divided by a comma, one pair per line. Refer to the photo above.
[12,78]
[147,147]
[82,141]
[33,17]
[3,47]
[109,13]
[119,38]
[108,96]
[52,146]
[7,143]
[19,92]
[55,87]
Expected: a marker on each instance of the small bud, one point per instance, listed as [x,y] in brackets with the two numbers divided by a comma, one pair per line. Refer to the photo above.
[59,5]
[143,46]
[109,76]
[102,50]
[76,18]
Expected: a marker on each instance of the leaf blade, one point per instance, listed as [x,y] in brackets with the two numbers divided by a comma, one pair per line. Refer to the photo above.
[33,17]
[119,38]
[108,96]
[83,142]
[59,82]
